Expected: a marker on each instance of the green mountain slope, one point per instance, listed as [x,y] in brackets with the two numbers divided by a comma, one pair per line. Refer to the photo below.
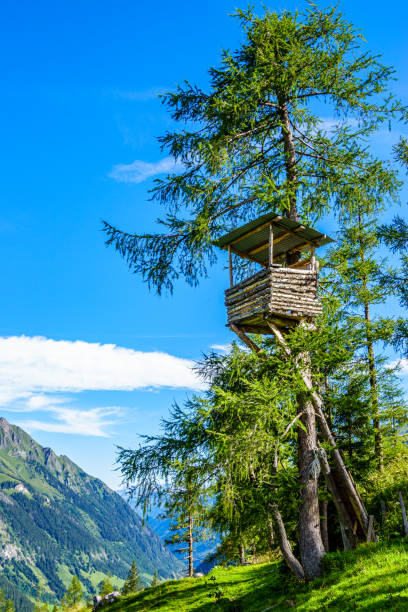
[56,520]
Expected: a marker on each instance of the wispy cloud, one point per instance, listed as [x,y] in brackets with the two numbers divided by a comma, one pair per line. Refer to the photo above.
[222,348]
[93,422]
[138,171]
[400,366]
[140,96]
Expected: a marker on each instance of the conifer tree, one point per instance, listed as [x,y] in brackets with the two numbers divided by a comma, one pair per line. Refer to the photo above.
[132,582]
[257,143]
[357,284]
[155,579]
[73,594]
[185,507]
[395,279]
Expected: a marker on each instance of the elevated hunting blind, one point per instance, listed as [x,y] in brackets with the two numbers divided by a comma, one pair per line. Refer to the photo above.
[279,293]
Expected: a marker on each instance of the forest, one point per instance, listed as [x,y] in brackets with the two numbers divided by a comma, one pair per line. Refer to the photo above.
[299,442]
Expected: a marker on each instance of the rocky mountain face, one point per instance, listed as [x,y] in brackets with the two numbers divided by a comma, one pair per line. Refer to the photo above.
[57,521]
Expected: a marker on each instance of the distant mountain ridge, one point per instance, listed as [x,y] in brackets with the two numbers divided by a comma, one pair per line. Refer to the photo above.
[56,520]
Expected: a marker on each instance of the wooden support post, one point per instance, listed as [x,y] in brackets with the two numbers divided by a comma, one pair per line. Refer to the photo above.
[345,519]
[231,276]
[270,244]
[404,514]
[246,340]
[383,511]
[313,260]
[370,529]
[346,542]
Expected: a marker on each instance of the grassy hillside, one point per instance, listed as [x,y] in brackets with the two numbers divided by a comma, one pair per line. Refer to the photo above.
[372,578]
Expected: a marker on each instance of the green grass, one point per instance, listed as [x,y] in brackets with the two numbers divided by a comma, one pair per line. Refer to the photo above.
[372,578]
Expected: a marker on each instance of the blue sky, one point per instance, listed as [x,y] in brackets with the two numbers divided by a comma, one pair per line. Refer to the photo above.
[80,117]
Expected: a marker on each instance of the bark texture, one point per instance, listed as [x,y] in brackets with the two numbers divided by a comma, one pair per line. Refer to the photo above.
[310,539]
[323,524]
[284,544]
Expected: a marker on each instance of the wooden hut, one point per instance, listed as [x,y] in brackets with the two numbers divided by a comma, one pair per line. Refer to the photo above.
[280,293]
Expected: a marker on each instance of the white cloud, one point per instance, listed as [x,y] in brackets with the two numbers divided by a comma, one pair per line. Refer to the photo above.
[33,365]
[222,348]
[400,365]
[91,422]
[35,372]
[139,170]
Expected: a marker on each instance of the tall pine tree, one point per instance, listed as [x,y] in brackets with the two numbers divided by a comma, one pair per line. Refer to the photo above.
[132,582]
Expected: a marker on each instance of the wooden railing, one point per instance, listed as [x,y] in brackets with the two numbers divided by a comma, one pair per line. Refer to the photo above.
[283,291]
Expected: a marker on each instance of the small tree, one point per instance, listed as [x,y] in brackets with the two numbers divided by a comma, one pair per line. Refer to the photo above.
[132,582]
[106,585]
[74,593]
[155,579]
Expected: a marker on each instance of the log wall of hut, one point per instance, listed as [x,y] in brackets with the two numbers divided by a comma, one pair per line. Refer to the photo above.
[281,293]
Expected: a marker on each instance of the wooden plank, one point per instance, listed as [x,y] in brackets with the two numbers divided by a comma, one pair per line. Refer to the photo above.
[297,229]
[256,230]
[246,256]
[247,281]
[244,296]
[265,245]
[301,262]
[270,252]
[370,527]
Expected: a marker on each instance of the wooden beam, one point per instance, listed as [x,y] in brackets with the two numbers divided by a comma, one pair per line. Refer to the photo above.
[313,259]
[298,229]
[246,340]
[246,255]
[264,246]
[301,262]
[257,229]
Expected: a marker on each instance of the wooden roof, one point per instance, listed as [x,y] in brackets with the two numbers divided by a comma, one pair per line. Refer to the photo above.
[251,240]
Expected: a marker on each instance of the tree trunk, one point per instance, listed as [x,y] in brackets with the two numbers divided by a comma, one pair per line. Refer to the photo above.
[310,539]
[271,534]
[190,547]
[241,554]
[343,474]
[378,444]
[404,514]
[290,159]
[284,544]
[323,524]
